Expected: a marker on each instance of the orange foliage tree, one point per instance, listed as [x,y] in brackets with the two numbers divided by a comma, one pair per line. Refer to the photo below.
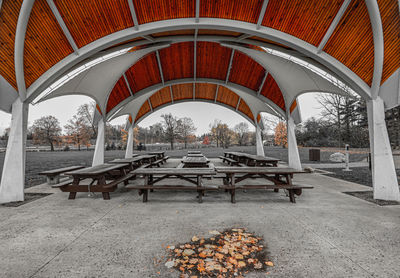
[281,135]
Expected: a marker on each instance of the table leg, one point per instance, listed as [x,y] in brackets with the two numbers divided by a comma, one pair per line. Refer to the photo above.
[151,179]
[199,191]
[106,195]
[233,191]
[145,191]
[72,195]
[291,196]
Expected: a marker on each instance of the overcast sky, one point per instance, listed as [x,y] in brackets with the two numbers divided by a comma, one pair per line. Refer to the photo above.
[63,108]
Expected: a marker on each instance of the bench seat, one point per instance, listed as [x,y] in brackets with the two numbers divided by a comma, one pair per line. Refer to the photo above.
[230,161]
[63,183]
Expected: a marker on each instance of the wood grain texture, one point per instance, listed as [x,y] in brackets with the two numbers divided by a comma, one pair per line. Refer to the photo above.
[258,117]
[118,94]
[307,20]
[90,20]
[160,97]
[155,10]
[245,109]
[143,73]
[8,24]
[391,34]
[205,91]
[177,61]
[246,72]
[243,10]
[130,119]
[144,109]
[293,106]
[45,42]
[182,91]
[272,91]
[212,60]
[227,96]
[352,43]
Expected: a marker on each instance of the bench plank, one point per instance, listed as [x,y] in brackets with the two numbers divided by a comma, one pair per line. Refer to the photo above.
[58,171]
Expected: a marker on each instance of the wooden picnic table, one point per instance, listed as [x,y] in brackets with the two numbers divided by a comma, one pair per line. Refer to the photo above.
[98,173]
[158,154]
[195,162]
[53,176]
[133,162]
[280,177]
[194,152]
[252,160]
[155,175]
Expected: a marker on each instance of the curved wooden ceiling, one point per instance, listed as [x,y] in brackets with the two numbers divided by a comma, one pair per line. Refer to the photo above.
[202,92]
[213,62]
[46,44]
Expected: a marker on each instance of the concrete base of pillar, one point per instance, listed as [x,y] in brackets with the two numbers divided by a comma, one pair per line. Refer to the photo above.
[293,151]
[98,157]
[259,143]
[384,178]
[129,143]
[13,176]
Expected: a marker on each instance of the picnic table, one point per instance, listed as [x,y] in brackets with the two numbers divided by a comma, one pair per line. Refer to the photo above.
[158,154]
[155,175]
[98,173]
[195,162]
[280,177]
[194,152]
[236,158]
[53,176]
[133,162]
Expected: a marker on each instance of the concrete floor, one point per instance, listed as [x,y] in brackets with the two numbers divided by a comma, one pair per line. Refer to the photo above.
[325,234]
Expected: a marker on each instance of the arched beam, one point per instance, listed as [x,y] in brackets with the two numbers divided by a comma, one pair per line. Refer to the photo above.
[19,45]
[344,73]
[193,100]
[377,31]
[243,92]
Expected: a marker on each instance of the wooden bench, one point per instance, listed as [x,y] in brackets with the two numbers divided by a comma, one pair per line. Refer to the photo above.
[230,161]
[157,163]
[155,175]
[53,176]
[165,158]
[280,177]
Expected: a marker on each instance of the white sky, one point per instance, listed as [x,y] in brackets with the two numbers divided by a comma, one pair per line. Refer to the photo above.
[63,108]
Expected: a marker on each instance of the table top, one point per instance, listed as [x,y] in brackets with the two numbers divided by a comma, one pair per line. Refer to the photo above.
[195,160]
[195,155]
[254,157]
[175,171]
[258,170]
[125,160]
[97,170]
[194,152]
[156,152]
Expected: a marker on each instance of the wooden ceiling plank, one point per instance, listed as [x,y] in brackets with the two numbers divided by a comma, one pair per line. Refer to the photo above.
[262,13]
[194,90]
[133,13]
[333,25]
[195,55]
[230,66]
[64,27]
[160,67]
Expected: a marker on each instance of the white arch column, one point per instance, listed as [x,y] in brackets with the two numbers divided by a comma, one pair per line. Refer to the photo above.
[98,157]
[13,176]
[129,142]
[293,151]
[259,143]
[384,178]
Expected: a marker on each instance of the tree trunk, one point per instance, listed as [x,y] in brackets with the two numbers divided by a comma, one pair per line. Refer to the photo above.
[51,146]
[172,144]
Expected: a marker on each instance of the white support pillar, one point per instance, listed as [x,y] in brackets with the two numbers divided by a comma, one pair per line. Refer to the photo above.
[293,151]
[384,178]
[98,157]
[259,143]
[129,142]
[13,176]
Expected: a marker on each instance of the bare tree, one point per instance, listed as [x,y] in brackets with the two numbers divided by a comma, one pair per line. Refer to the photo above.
[86,113]
[170,126]
[186,129]
[78,131]
[242,132]
[47,129]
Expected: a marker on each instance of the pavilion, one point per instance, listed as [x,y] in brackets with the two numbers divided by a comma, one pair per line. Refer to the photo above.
[134,57]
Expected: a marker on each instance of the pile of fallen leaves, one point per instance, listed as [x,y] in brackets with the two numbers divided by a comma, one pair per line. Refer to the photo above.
[233,252]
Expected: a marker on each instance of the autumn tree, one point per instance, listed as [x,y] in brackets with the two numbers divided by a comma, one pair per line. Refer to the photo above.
[186,129]
[170,127]
[206,140]
[281,135]
[46,130]
[78,131]
[242,133]
[221,133]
